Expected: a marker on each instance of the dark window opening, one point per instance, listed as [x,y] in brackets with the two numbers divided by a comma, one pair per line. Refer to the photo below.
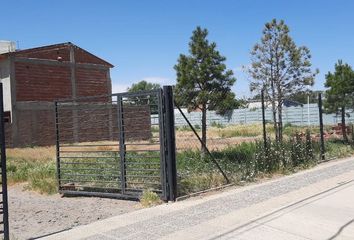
[7,117]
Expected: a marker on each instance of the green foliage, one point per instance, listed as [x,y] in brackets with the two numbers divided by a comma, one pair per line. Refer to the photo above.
[340,86]
[339,94]
[183,128]
[287,125]
[43,179]
[40,176]
[149,199]
[238,161]
[247,130]
[278,51]
[202,78]
[155,129]
[302,96]
[145,100]
[217,125]
[240,132]
[279,67]
[143,86]
[287,155]
[203,82]
[244,162]
[302,152]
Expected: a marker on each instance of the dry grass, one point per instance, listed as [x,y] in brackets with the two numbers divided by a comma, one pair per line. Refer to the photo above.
[149,199]
[34,166]
[219,138]
[36,154]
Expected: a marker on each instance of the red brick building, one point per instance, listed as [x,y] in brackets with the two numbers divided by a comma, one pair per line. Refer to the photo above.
[34,78]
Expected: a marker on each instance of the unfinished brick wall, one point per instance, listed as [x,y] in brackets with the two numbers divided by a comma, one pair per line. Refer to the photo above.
[50,54]
[47,74]
[90,123]
[8,134]
[91,82]
[99,122]
[40,82]
[62,52]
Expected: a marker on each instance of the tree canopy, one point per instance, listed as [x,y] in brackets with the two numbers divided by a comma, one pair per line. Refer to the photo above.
[340,86]
[279,67]
[203,81]
[339,95]
[143,86]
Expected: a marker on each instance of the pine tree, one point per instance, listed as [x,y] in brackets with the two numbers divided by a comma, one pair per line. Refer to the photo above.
[339,96]
[280,68]
[203,82]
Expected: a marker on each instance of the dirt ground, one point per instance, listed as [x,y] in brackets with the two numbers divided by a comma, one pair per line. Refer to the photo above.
[33,215]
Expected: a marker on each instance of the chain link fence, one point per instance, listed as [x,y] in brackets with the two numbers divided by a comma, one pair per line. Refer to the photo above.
[241,143]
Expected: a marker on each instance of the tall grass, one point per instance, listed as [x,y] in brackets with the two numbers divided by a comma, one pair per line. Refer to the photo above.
[241,162]
[35,166]
[249,130]
[251,160]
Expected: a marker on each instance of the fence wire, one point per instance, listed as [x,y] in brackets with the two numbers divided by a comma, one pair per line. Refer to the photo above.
[110,144]
[237,143]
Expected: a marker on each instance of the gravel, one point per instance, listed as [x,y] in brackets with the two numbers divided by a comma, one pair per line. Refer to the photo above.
[33,215]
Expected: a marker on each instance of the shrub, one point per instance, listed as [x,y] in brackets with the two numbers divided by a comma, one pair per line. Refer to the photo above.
[286,155]
[217,125]
[183,128]
[43,179]
[149,199]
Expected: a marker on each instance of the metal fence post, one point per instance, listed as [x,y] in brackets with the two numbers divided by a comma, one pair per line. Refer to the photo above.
[321,126]
[122,147]
[264,120]
[170,143]
[5,209]
[57,142]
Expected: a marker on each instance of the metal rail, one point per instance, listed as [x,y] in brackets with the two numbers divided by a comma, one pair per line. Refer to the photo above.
[122,143]
[203,144]
[4,210]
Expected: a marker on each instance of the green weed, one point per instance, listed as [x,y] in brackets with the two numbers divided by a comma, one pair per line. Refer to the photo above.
[149,199]
[217,125]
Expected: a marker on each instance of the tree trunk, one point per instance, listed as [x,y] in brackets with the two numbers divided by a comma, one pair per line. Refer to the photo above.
[280,122]
[275,123]
[204,130]
[274,110]
[344,130]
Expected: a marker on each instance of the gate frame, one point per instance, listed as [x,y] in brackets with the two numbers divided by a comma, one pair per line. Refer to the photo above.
[5,208]
[167,144]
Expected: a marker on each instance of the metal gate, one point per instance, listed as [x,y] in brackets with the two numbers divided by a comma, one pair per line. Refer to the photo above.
[116,145]
[4,211]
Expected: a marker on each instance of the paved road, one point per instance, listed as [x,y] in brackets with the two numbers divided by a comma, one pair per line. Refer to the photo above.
[314,204]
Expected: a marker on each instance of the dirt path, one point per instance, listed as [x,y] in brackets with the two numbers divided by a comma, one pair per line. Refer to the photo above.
[33,215]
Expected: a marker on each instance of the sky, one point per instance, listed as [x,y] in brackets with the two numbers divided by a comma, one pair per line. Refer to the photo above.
[143,39]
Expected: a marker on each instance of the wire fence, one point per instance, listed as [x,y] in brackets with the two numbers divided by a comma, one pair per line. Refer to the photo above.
[241,144]
[111,146]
